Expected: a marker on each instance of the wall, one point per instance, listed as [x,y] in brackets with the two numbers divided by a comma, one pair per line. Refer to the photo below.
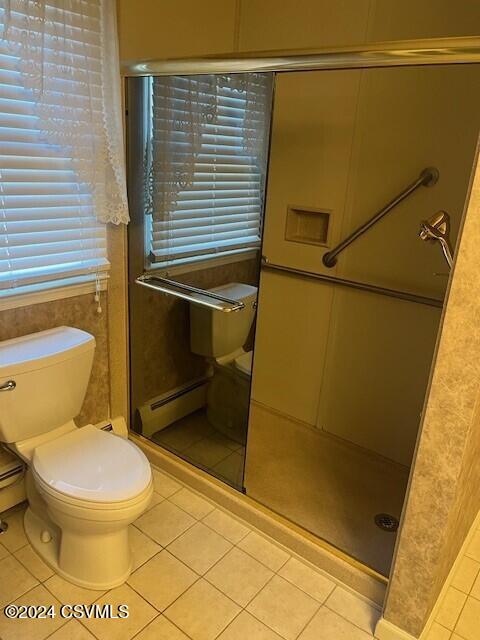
[346,142]
[270,24]
[444,495]
[171,29]
[80,312]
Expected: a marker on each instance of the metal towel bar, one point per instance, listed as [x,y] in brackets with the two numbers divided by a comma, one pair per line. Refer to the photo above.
[427,178]
[202,297]
[353,284]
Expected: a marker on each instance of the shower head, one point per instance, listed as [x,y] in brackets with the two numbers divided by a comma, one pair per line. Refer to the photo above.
[437,229]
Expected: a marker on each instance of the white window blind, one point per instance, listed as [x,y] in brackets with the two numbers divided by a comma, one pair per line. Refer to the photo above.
[48,228]
[209,138]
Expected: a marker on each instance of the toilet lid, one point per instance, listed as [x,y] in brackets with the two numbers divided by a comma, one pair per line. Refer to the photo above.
[91,464]
[244,363]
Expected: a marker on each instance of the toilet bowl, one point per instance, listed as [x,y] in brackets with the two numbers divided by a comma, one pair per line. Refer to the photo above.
[84,485]
[220,338]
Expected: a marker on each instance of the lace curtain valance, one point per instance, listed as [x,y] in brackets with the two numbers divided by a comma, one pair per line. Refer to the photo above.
[182,110]
[67,54]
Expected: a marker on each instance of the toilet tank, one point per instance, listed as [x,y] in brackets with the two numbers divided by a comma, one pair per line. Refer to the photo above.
[50,371]
[214,333]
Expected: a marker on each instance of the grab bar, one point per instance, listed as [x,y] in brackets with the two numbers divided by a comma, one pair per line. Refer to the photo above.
[353,284]
[427,178]
[187,292]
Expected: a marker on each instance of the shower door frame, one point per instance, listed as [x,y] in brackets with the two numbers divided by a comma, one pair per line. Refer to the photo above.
[400,53]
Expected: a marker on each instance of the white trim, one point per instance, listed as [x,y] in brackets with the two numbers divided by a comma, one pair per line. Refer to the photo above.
[387,631]
[206,263]
[25,299]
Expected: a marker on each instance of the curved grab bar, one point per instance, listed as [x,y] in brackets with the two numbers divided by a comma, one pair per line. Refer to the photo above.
[427,178]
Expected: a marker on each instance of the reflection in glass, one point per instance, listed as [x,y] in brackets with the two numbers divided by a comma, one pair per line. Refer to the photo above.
[201,144]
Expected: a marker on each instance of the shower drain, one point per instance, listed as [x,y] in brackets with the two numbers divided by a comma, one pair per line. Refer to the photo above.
[386,522]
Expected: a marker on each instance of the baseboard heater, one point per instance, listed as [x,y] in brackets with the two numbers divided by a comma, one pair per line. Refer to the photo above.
[166,409]
[11,473]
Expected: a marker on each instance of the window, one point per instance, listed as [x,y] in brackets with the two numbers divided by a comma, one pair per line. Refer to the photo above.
[48,229]
[52,96]
[207,139]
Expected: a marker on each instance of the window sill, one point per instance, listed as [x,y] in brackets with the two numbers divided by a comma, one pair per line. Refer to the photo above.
[201,265]
[72,289]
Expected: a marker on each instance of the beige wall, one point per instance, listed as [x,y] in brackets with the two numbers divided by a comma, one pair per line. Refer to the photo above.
[312,23]
[444,495]
[172,28]
[346,142]
[80,312]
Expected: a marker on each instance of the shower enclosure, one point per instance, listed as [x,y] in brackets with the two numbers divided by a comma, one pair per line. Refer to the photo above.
[342,205]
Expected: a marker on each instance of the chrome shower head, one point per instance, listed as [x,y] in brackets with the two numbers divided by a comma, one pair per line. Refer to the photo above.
[437,229]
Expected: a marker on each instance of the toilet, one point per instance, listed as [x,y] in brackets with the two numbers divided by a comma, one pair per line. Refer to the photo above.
[84,486]
[220,337]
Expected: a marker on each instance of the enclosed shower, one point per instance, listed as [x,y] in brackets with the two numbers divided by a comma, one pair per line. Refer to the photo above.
[290,249]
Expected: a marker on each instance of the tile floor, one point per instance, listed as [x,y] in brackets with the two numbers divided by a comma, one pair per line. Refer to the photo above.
[195,440]
[458,617]
[199,574]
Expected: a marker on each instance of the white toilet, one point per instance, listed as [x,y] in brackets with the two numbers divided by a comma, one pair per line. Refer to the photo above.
[220,337]
[84,485]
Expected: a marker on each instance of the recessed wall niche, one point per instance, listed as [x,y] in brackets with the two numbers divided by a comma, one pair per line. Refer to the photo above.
[307,225]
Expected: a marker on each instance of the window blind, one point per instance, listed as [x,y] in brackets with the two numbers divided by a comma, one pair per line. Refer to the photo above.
[48,227]
[209,137]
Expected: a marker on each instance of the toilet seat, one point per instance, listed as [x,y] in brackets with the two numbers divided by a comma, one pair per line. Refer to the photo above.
[90,467]
[244,363]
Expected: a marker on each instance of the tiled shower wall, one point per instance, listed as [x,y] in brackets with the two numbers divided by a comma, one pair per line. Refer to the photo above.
[79,312]
[444,496]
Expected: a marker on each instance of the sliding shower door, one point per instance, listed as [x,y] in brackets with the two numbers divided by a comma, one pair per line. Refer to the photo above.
[197,156]
[343,352]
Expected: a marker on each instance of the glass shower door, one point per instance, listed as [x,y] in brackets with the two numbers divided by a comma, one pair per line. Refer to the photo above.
[343,352]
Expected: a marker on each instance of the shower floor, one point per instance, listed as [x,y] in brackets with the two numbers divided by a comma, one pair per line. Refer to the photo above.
[324,484]
[195,440]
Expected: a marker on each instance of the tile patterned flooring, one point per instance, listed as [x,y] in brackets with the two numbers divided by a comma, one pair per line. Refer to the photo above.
[458,616]
[199,574]
[195,440]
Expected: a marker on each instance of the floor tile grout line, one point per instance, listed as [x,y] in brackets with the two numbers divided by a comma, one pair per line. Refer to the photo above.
[144,563]
[216,587]
[221,534]
[29,570]
[64,623]
[348,620]
[242,609]
[257,559]
[461,609]
[188,512]
[28,591]
[135,635]
[199,575]
[173,539]
[91,632]
[308,621]
[454,630]
[147,535]
[2,606]
[307,592]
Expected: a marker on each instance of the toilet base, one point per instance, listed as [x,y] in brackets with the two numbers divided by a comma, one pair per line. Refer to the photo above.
[37,529]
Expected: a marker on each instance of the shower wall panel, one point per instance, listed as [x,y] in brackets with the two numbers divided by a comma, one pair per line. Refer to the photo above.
[357,138]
